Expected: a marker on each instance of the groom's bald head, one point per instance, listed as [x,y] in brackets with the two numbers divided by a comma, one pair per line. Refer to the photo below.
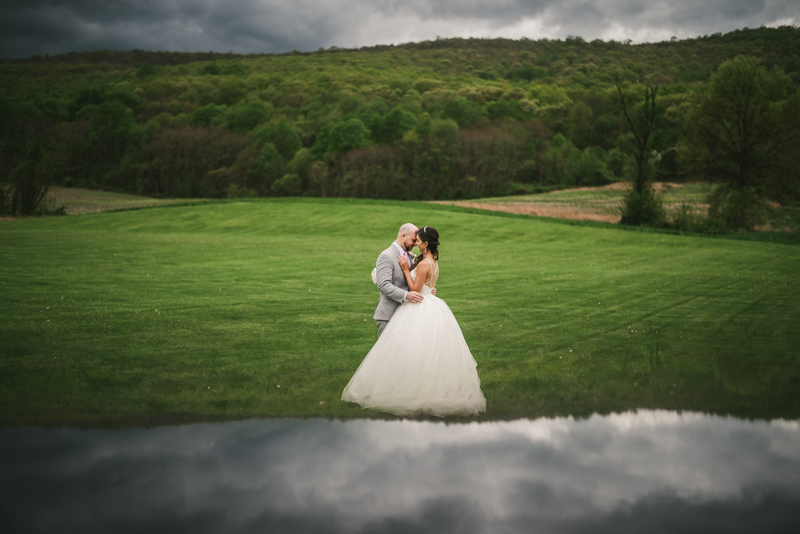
[406,236]
[408,229]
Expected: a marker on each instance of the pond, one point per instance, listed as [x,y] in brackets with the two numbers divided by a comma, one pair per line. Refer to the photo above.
[645,471]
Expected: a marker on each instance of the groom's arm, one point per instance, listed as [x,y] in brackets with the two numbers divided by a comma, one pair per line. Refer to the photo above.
[384,276]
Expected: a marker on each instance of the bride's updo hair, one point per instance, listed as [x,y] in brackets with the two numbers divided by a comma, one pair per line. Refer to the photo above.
[429,234]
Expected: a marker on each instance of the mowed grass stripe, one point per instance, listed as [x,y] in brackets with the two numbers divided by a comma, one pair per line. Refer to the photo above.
[194,313]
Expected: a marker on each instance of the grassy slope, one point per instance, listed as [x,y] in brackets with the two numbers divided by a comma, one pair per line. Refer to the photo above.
[199,312]
[76,200]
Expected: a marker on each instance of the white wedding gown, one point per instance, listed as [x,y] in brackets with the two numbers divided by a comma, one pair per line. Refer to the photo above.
[421,364]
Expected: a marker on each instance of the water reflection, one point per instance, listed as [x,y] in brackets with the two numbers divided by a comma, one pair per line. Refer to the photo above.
[651,471]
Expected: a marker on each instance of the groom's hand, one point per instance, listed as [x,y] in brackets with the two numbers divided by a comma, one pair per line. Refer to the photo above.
[413,296]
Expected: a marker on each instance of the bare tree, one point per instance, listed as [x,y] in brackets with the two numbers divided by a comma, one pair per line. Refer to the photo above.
[642,127]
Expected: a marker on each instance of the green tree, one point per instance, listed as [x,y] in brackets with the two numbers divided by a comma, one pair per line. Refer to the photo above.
[615,162]
[526,73]
[283,135]
[322,142]
[97,94]
[244,118]
[229,92]
[269,167]
[463,111]
[586,168]
[146,70]
[301,164]
[112,131]
[207,115]
[507,109]
[347,135]
[210,68]
[392,127]
[580,123]
[745,134]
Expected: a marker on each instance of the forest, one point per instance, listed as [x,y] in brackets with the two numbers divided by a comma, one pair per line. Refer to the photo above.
[444,119]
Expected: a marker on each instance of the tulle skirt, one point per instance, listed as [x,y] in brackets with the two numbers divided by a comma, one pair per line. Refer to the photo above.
[420,365]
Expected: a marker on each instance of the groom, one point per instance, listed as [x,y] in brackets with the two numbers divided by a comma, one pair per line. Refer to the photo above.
[391,280]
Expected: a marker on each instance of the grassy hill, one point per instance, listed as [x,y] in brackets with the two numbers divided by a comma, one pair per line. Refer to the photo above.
[194,313]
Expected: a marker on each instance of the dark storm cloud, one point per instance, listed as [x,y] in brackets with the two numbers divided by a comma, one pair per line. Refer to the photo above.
[651,471]
[49,26]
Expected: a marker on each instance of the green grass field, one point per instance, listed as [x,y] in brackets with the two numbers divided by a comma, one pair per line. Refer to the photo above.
[195,313]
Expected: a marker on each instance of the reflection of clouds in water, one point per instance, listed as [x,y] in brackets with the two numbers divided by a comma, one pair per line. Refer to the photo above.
[647,471]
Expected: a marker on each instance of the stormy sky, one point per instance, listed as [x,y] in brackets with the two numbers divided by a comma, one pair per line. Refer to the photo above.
[29,27]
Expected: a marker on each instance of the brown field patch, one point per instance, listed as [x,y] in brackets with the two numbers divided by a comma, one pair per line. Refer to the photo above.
[602,204]
[543,210]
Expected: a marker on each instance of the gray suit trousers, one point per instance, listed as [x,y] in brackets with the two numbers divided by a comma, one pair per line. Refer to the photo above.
[381,325]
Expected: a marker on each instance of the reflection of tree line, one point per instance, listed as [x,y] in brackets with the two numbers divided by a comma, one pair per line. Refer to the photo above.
[497,118]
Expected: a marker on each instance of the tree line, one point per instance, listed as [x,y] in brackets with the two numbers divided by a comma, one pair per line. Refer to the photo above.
[445,119]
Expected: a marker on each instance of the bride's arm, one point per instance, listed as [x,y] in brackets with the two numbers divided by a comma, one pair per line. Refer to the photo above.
[422,273]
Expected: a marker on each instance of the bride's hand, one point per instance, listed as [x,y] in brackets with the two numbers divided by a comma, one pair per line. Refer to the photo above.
[403,263]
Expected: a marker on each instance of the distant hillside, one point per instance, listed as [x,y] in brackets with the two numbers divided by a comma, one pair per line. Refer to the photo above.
[440,119]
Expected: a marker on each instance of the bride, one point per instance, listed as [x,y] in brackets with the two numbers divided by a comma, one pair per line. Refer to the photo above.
[421,363]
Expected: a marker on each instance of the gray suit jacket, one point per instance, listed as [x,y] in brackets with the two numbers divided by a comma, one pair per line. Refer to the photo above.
[391,283]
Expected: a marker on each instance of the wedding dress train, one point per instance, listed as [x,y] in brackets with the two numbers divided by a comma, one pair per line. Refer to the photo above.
[421,364]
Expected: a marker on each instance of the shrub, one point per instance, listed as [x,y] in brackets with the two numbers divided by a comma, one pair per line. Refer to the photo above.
[738,208]
[688,219]
[28,183]
[643,208]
